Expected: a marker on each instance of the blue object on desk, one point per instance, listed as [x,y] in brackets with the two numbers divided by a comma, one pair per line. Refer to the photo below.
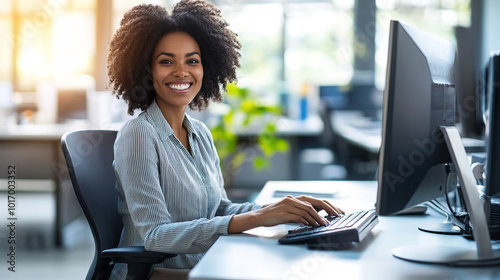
[303,108]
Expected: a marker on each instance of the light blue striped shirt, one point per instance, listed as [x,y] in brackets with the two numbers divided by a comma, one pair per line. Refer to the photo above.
[170,201]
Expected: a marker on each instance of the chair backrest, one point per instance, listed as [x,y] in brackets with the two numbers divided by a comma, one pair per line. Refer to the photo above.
[89,157]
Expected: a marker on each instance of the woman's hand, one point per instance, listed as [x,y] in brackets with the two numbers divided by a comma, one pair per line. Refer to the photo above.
[302,209]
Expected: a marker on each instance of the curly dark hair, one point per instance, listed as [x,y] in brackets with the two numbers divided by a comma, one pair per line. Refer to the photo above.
[142,27]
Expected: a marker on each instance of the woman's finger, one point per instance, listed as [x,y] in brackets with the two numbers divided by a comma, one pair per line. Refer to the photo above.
[306,210]
[322,205]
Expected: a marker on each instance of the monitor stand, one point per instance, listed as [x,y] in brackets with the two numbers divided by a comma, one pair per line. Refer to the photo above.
[446,227]
[450,226]
[454,255]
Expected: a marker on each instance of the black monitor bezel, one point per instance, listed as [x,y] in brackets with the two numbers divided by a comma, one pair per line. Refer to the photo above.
[492,137]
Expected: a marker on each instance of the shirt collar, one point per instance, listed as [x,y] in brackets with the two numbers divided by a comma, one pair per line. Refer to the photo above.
[162,126]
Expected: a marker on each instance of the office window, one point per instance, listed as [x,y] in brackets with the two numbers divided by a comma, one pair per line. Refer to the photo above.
[438,17]
[6,47]
[6,44]
[73,43]
[289,43]
[259,29]
[47,40]
[318,45]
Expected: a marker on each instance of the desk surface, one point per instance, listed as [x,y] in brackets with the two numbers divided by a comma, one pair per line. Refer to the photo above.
[257,254]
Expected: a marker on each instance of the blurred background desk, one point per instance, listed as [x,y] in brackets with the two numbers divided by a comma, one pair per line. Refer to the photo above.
[301,135]
[35,152]
[355,140]
[44,193]
[257,254]
[359,130]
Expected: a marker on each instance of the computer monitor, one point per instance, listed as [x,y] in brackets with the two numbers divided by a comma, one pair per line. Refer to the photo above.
[419,97]
[492,123]
[71,105]
[421,147]
[468,84]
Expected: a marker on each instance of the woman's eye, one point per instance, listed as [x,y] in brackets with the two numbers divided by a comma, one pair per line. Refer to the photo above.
[193,61]
[165,61]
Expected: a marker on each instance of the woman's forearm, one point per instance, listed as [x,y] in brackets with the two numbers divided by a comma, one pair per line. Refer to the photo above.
[241,222]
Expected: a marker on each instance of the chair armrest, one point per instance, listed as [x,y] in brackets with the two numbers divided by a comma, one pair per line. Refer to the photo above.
[135,254]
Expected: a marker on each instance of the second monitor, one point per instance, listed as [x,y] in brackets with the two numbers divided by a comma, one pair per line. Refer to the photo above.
[421,149]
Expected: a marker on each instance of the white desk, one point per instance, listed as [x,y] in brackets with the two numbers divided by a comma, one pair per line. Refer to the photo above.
[358,130]
[257,254]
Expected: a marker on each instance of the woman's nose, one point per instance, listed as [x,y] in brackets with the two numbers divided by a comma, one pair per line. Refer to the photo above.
[181,71]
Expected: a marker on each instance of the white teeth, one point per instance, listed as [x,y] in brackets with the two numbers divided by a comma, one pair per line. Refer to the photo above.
[179,86]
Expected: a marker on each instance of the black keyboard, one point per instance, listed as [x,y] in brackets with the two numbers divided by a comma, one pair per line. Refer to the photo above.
[353,227]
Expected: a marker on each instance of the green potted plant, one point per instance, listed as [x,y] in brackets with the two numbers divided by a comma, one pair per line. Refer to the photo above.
[254,119]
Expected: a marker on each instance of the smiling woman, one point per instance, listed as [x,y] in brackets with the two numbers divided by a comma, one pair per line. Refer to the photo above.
[170,185]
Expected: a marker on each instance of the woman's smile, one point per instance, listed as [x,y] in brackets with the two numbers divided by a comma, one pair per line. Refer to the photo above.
[180,87]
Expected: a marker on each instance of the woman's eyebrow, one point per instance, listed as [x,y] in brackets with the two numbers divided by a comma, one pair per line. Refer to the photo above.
[173,55]
[165,53]
[193,53]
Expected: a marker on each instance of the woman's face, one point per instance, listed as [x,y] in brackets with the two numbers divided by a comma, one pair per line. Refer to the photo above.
[177,70]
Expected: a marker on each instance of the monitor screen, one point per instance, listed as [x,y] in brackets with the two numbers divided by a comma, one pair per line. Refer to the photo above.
[419,97]
[492,131]
[71,105]
[468,85]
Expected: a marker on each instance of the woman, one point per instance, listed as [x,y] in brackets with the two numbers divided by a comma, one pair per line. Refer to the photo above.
[170,185]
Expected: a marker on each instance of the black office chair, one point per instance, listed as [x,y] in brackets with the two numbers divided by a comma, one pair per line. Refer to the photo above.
[89,157]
